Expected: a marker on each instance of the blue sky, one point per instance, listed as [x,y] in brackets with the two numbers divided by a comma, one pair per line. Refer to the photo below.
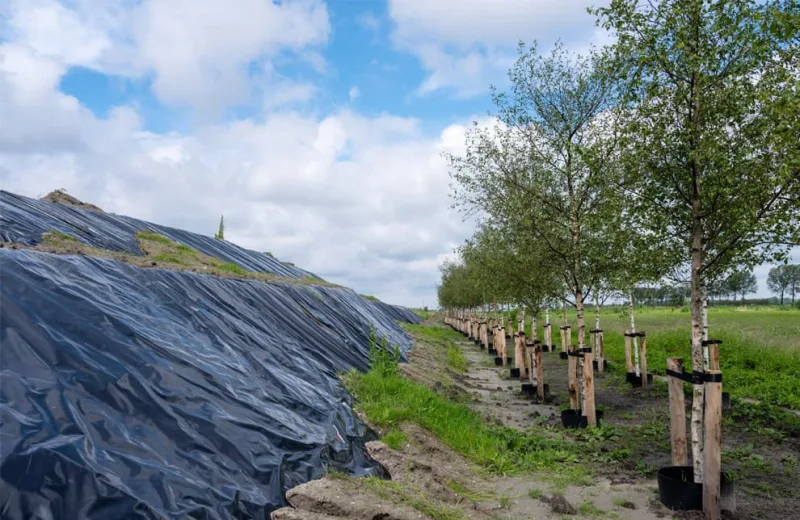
[317,128]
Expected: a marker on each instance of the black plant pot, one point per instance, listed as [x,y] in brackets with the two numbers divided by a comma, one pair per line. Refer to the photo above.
[514,372]
[533,390]
[726,401]
[509,361]
[595,365]
[636,382]
[492,351]
[498,361]
[563,355]
[508,337]
[477,341]
[678,491]
[574,419]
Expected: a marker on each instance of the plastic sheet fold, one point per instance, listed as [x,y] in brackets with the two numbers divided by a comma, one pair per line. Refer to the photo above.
[149,393]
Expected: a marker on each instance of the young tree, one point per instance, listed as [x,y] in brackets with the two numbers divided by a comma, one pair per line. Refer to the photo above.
[779,280]
[794,280]
[710,149]
[543,170]
[220,234]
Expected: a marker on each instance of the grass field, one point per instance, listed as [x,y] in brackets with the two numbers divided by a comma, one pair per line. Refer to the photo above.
[759,356]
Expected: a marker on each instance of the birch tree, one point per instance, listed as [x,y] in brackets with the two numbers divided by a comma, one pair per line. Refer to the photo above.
[710,112]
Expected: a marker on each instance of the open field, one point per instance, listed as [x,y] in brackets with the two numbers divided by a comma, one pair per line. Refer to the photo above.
[759,356]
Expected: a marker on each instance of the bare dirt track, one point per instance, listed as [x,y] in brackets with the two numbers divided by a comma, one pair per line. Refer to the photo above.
[443,484]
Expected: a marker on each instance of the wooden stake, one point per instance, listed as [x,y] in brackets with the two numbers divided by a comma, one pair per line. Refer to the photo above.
[537,352]
[573,382]
[712,448]
[677,414]
[519,353]
[588,384]
[529,361]
[628,360]
[643,359]
[601,357]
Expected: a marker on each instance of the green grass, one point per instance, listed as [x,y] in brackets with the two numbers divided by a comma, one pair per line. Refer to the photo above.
[589,509]
[58,235]
[395,439]
[759,356]
[169,258]
[154,237]
[230,267]
[535,493]
[456,359]
[389,400]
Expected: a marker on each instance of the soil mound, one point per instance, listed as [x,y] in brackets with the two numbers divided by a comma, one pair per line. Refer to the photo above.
[65,199]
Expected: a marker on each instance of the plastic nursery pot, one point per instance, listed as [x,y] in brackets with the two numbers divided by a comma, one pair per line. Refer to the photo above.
[492,351]
[636,382]
[508,337]
[498,361]
[678,491]
[509,361]
[514,372]
[531,389]
[726,401]
[477,341]
[574,419]
[563,355]
[605,364]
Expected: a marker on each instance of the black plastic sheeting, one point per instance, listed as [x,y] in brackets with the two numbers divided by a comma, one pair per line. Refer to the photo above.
[23,220]
[149,393]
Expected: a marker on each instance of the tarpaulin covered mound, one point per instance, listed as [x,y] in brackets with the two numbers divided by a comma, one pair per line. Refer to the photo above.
[150,393]
[23,220]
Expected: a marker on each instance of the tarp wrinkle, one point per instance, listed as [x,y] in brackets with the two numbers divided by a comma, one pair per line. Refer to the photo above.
[150,393]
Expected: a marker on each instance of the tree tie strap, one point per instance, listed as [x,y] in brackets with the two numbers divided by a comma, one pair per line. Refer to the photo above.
[696,377]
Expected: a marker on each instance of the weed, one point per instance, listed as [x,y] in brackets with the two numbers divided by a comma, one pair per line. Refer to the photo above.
[504,501]
[589,509]
[395,439]
[153,237]
[230,267]
[168,258]
[456,359]
[54,236]
[458,488]
[535,493]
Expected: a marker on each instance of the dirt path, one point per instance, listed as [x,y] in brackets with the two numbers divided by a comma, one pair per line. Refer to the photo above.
[429,480]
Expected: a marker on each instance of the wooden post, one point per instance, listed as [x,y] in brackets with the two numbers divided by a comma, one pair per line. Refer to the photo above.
[643,359]
[573,381]
[537,352]
[588,383]
[677,414]
[503,344]
[712,446]
[601,357]
[628,360]
[531,361]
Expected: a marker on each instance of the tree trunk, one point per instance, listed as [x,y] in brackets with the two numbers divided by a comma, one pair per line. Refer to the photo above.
[634,341]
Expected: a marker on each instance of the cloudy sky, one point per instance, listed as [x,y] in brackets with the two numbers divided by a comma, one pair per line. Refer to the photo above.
[316,127]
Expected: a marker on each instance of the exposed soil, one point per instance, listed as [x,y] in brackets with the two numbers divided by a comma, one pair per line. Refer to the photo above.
[424,471]
[63,198]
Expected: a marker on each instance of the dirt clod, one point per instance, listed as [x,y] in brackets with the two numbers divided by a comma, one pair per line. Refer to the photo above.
[560,505]
[628,505]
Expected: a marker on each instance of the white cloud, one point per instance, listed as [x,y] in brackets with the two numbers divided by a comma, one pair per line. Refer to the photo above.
[472,46]
[200,53]
[354,93]
[360,200]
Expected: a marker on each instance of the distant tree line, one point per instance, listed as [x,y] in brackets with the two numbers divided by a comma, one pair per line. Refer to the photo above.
[784,279]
